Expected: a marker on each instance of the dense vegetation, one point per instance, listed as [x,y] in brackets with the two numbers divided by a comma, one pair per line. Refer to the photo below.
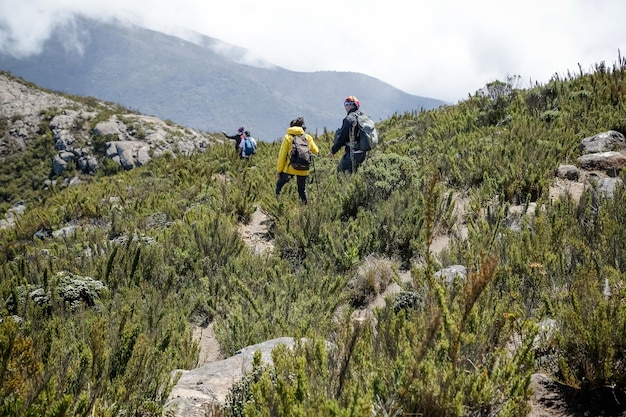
[155,250]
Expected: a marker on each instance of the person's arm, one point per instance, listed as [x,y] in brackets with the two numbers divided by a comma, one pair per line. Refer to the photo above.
[285,147]
[342,136]
[312,145]
[229,136]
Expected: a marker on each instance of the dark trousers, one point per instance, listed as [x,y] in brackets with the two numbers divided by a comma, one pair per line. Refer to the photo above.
[348,164]
[301,179]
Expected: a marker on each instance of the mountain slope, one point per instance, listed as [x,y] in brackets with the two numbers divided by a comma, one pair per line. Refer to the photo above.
[102,282]
[194,84]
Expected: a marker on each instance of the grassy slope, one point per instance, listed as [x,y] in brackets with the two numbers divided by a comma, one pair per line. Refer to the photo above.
[163,240]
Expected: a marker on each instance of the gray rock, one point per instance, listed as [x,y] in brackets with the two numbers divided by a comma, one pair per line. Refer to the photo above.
[186,148]
[64,121]
[58,165]
[211,383]
[61,127]
[64,232]
[451,273]
[568,172]
[63,140]
[606,186]
[12,215]
[109,128]
[127,158]
[143,156]
[67,156]
[88,164]
[603,142]
[610,162]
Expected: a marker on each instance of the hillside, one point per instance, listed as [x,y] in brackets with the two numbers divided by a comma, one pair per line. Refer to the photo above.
[49,139]
[105,280]
[197,84]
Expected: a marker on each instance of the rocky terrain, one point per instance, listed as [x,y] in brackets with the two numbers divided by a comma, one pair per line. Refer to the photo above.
[86,131]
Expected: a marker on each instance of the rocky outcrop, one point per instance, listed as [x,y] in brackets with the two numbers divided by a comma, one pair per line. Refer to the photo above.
[605,152]
[23,107]
[85,132]
[603,157]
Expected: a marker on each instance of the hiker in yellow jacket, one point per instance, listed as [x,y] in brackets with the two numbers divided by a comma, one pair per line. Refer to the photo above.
[284,167]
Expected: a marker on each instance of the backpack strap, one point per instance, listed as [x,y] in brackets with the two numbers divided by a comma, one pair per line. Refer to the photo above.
[354,140]
[293,138]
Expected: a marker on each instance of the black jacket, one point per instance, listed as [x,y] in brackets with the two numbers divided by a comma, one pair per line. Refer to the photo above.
[342,135]
[236,136]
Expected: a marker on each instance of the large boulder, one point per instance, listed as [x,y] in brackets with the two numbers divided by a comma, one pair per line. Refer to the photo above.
[611,162]
[211,383]
[603,142]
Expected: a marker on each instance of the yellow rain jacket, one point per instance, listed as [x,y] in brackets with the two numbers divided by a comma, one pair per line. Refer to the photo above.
[282,165]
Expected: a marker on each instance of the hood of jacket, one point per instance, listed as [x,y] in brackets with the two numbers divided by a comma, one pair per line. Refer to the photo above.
[295,130]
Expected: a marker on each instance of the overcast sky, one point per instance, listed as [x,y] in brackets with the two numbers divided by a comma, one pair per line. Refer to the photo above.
[443,49]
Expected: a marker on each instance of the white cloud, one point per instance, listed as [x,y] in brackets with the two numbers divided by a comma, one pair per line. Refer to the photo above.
[445,49]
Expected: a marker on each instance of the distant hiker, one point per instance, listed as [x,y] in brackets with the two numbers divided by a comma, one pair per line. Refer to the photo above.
[345,136]
[294,157]
[238,137]
[248,145]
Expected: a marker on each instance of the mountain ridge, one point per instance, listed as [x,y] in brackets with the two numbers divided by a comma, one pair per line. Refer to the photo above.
[195,83]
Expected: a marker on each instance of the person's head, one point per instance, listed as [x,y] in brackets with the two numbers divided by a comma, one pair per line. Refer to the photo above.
[298,122]
[351,102]
[247,133]
[240,130]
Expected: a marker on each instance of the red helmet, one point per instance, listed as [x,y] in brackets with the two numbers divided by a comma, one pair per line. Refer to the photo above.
[352,100]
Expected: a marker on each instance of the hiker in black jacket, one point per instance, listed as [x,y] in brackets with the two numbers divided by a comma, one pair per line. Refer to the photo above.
[237,137]
[349,130]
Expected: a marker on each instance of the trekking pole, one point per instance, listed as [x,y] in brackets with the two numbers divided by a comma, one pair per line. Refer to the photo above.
[315,174]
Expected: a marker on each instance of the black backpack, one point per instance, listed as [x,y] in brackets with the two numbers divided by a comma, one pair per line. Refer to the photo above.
[300,157]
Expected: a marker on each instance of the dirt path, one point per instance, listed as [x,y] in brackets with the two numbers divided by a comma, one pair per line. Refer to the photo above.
[209,346]
[255,234]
